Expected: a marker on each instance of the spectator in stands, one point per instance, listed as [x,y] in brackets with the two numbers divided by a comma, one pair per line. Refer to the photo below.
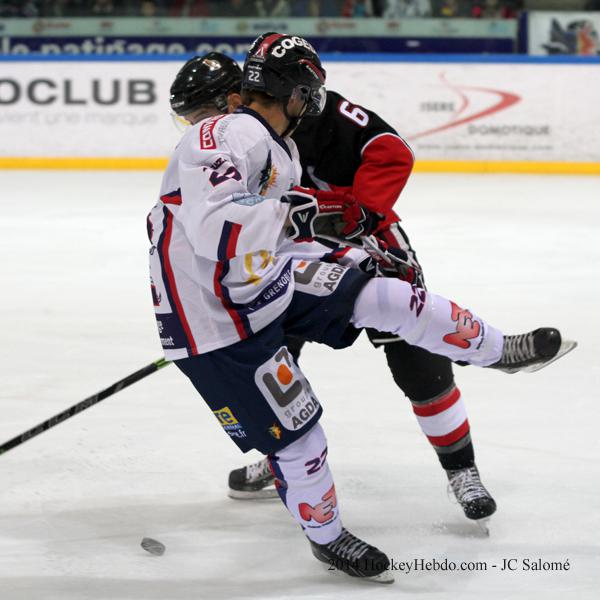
[28,10]
[9,10]
[152,8]
[62,8]
[103,8]
[357,8]
[147,9]
[192,8]
[450,8]
[232,8]
[398,9]
[315,8]
[492,9]
[273,8]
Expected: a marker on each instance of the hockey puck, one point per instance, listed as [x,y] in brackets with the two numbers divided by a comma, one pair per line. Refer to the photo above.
[153,546]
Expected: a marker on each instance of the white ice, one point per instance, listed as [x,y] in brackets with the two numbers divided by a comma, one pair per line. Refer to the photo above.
[75,502]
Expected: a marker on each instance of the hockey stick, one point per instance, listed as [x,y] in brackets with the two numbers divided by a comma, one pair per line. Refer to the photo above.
[81,406]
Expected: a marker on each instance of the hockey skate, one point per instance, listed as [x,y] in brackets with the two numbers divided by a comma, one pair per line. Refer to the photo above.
[253,482]
[532,351]
[475,500]
[351,555]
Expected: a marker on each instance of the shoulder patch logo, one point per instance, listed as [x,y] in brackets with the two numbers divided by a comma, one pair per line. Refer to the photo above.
[268,176]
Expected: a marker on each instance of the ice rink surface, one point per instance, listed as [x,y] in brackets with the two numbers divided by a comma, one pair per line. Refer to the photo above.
[522,251]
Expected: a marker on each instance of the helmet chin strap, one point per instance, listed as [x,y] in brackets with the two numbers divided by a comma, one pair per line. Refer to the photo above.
[293,121]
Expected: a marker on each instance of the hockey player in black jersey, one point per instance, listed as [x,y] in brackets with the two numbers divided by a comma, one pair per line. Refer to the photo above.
[350,148]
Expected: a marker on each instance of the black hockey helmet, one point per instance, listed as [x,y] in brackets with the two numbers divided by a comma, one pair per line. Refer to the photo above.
[286,66]
[205,80]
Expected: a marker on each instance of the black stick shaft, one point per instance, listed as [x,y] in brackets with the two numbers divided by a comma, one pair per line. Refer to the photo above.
[83,405]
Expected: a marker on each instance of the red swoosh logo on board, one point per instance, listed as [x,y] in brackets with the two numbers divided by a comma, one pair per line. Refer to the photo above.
[503,101]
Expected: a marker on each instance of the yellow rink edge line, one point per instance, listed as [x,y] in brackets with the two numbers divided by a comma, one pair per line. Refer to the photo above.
[85,163]
[421,166]
[508,166]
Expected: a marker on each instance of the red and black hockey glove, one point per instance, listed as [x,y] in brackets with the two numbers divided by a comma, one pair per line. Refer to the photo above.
[392,261]
[330,215]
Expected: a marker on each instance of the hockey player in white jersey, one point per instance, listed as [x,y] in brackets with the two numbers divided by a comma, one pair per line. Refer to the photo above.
[227,289]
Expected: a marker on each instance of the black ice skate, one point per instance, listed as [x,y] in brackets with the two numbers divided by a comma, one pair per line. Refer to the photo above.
[532,351]
[351,555]
[475,500]
[252,482]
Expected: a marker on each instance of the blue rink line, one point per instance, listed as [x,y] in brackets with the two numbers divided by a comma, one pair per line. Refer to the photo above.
[326,57]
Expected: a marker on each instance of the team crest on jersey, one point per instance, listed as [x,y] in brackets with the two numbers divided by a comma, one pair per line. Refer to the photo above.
[268,176]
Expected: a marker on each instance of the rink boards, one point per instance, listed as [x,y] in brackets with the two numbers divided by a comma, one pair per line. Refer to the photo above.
[458,114]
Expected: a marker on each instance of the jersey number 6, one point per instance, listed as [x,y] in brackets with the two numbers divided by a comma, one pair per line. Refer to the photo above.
[354,113]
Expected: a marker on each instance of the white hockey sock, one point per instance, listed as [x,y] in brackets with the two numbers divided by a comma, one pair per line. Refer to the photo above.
[306,486]
[426,320]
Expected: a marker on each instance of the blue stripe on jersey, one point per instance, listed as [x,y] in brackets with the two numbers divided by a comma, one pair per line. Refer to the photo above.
[236,311]
[268,295]
[226,250]
[224,240]
[170,325]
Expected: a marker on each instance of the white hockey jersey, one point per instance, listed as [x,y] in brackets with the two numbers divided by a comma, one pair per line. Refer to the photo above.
[216,273]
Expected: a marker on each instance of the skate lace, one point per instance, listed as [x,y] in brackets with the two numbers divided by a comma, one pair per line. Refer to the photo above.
[466,485]
[258,471]
[518,348]
[348,546]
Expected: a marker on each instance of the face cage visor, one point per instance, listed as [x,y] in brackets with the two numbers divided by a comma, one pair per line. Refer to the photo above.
[314,98]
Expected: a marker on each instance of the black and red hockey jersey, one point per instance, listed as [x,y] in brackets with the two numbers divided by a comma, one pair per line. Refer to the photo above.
[352,148]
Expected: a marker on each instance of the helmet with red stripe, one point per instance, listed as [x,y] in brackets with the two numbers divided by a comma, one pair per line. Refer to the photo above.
[286,67]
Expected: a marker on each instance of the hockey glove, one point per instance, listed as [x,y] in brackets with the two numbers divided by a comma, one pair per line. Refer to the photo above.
[393,262]
[333,216]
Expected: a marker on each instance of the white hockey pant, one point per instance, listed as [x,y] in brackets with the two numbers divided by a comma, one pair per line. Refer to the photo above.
[426,320]
[305,485]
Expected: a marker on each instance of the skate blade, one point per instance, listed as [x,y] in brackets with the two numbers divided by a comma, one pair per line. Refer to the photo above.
[565,347]
[483,526]
[384,577]
[264,494]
